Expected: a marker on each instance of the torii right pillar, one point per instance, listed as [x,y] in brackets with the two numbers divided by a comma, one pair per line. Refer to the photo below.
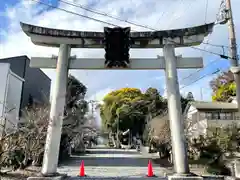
[179,148]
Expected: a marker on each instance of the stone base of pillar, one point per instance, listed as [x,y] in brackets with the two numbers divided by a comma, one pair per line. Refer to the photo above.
[236,168]
[194,177]
[56,176]
[213,177]
[185,177]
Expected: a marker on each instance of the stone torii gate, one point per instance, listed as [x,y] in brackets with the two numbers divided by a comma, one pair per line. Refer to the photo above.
[66,39]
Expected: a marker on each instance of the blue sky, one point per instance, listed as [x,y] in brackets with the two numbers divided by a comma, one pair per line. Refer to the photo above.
[162,14]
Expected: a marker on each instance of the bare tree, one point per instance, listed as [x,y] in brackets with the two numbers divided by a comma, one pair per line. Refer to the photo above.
[24,145]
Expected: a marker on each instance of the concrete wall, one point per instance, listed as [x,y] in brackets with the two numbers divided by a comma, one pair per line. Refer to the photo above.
[222,123]
[37,83]
[197,129]
[13,101]
[17,64]
[10,97]
[4,68]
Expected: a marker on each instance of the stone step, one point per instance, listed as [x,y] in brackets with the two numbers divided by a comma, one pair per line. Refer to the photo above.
[118,178]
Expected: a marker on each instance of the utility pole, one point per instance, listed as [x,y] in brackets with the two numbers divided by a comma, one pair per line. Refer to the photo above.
[201,92]
[233,50]
[92,103]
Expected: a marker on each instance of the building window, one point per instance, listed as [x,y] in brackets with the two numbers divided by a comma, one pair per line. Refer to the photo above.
[236,117]
[215,115]
[208,115]
[229,116]
[202,115]
[222,116]
[226,116]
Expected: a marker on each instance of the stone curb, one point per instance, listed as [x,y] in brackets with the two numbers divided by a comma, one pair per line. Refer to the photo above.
[53,177]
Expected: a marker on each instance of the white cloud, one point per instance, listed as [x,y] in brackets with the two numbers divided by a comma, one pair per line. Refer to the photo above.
[98,96]
[176,14]
[199,90]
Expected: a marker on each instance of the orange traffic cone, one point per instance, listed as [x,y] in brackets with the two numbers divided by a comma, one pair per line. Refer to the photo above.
[150,170]
[82,171]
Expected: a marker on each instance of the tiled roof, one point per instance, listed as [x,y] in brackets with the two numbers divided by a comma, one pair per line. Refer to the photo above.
[214,105]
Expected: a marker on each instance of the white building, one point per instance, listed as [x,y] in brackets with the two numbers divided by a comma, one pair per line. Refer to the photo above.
[35,89]
[202,115]
[10,98]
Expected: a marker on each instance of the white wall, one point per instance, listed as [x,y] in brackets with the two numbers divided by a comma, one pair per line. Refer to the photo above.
[13,100]
[222,123]
[191,115]
[195,125]
[199,128]
[4,69]
[10,95]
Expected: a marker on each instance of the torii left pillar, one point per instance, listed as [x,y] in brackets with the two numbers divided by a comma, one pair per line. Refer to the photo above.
[179,148]
[58,100]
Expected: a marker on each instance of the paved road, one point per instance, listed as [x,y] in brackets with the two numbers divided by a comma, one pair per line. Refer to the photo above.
[104,162]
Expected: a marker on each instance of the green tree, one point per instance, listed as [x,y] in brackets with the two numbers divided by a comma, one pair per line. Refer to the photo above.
[118,106]
[157,103]
[127,108]
[190,96]
[75,91]
[223,87]
[76,108]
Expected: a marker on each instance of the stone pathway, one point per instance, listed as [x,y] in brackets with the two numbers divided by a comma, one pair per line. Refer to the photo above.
[105,163]
[111,163]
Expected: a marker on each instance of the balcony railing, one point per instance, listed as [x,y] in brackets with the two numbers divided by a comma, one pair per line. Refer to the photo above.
[219,116]
[223,118]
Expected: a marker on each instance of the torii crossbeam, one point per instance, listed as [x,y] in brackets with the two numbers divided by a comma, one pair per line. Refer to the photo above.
[65,40]
[135,64]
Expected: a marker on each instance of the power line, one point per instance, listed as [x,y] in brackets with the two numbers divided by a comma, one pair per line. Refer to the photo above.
[181,14]
[107,15]
[165,12]
[204,50]
[206,11]
[104,14]
[114,17]
[119,19]
[182,2]
[202,77]
[111,24]
[199,70]
[216,45]
[212,73]
[74,13]
[103,21]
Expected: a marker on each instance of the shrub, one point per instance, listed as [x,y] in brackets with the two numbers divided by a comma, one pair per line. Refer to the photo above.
[218,144]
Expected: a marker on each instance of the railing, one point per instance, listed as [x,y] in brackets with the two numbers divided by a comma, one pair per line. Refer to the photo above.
[232,118]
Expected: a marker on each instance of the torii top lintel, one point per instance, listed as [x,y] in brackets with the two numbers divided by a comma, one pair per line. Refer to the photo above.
[86,39]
